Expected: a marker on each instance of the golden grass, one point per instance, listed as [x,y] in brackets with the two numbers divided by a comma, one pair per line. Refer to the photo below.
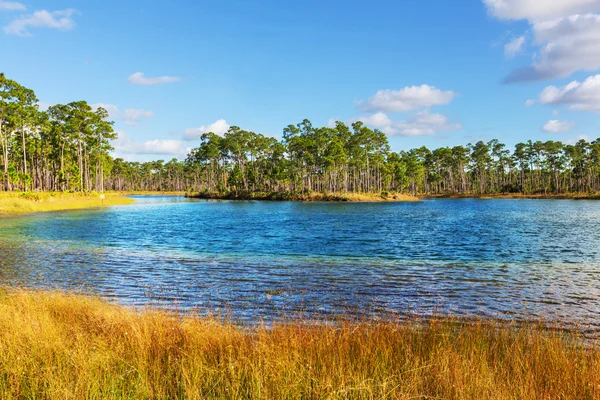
[65,346]
[11,203]
[149,193]
[315,196]
[378,197]
[354,197]
[561,196]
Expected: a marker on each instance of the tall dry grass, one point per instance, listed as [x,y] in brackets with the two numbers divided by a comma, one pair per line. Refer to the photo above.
[63,346]
[14,202]
[314,196]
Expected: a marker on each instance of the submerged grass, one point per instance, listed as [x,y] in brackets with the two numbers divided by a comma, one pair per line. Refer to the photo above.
[65,346]
[11,203]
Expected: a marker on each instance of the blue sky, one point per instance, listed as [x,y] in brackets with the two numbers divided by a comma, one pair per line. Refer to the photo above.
[429,72]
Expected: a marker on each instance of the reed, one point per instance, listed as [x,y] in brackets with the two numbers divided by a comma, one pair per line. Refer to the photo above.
[58,345]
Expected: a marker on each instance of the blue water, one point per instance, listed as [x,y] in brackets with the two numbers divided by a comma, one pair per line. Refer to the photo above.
[261,260]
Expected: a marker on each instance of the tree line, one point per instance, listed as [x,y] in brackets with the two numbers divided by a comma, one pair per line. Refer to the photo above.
[358,159]
[68,146]
[64,148]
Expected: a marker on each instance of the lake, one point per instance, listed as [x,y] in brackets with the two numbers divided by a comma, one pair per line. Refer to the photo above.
[262,260]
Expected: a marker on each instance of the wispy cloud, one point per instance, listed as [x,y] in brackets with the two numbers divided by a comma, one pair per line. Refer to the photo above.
[578,138]
[133,116]
[11,6]
[130,116]
[422,123]
[126,145]
[138,78]
[60,20]
[514,47]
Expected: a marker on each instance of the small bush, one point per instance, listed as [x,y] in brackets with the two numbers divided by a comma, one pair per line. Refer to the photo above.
[30,196]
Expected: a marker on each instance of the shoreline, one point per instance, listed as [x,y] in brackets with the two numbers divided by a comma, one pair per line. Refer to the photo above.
[562,196]
[31,202]
[313,197]
[84,347]
[147,193]
[376,197]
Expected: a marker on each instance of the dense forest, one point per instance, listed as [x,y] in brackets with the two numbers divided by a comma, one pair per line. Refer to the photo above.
[67,148]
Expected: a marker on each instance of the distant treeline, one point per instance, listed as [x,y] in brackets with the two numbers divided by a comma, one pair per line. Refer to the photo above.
[67,148]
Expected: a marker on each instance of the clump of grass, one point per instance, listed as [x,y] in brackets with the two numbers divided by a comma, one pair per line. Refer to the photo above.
[54,201]
[57,345]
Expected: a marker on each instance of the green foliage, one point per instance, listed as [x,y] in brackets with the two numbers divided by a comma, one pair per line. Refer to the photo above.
[70,146]
[31,196]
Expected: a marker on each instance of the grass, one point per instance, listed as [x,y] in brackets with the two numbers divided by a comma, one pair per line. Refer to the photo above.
[65,346]
[149,193]
[315,196]
[11,203]
[563,196]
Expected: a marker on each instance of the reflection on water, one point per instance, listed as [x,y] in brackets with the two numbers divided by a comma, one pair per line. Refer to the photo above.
[529,258]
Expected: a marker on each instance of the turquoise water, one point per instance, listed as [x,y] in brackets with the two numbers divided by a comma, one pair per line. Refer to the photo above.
[259,260]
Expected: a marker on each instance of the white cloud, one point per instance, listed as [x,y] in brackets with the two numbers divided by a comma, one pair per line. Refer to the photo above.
[12,6]
[578,138]
[113,110]
[566,45]
[536,10]
[61,20]
[566,33]
[408,98]
[125,145]
[219,127]
[130,116]
[377,120]
[578,96]
[422,123]
[514,47]
[529,102]
[555,113]
[331,123]
[556,126]
[138,78]
[133,116]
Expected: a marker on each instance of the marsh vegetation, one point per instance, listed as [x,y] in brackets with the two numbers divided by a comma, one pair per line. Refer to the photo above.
[83,347]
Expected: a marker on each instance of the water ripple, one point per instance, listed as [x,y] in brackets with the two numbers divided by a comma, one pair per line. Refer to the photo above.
[259,260]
